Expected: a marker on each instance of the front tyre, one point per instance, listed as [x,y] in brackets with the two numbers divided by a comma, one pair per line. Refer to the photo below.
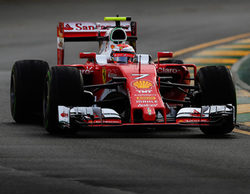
[64,86]
[26,90]
[217,88]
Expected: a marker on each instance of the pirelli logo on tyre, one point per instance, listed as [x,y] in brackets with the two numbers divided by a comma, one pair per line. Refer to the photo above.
[142,84]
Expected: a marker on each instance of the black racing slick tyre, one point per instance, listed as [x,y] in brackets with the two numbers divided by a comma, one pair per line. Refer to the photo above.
[217,88]
[64,86]
[26,90]
[172,61]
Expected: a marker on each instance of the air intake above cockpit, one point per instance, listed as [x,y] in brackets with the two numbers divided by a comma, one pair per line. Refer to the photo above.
[118,35]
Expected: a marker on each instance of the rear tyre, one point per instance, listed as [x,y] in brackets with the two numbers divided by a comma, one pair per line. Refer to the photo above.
[172,61]
[217,88]
[64,86]
[26,90]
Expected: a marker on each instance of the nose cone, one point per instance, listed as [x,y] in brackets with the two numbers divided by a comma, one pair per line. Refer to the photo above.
[149,114]
[145,99]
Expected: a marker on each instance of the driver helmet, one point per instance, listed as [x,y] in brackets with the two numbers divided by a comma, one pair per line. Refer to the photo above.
[122,53]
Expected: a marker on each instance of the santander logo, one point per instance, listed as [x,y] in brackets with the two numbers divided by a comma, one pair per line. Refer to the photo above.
[197,114]
[64,114]
[68,27]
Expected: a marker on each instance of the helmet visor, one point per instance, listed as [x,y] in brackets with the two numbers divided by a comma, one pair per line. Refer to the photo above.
[123,57]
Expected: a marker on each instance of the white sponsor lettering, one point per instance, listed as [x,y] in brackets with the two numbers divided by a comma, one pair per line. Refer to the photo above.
[147,105]
[140,76]
[144,91]
[144,94]
[92,26]
[87,71]
[146,101]
[167,70]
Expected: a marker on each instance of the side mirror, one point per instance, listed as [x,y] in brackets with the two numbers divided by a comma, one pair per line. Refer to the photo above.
[87,55]
[164,55]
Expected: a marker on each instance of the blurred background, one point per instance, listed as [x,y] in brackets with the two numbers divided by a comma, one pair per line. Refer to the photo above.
[28,27]
[171,161]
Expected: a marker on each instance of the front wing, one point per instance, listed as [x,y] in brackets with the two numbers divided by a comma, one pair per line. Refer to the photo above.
[104,117]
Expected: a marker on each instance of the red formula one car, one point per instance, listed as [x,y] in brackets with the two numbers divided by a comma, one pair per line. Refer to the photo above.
[118,87]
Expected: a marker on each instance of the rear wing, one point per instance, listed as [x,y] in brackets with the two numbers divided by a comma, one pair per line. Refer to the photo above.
[89,31]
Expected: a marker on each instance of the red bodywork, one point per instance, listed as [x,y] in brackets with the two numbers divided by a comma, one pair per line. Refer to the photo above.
[143,87]
[142,81]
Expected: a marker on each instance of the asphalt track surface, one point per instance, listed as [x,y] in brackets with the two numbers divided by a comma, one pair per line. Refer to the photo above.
[171,161]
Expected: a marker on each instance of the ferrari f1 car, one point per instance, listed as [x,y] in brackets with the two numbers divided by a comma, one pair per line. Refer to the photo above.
[118,88]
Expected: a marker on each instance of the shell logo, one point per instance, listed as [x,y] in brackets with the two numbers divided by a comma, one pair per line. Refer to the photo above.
[142,84]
